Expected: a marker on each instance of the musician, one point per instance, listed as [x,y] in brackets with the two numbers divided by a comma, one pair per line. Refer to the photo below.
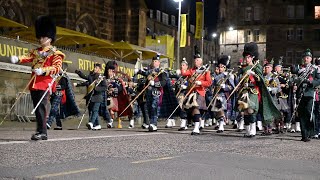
[273,85]
[181,90]
[96,85]
[253,92]
[62,101]
[46,61]
[309,78]
[317,106]
[156,79]
[199,80]
[223,85]
[117,90]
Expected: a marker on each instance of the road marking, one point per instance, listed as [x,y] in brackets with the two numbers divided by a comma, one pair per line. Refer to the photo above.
[150,160]
[79,138]
[65,173]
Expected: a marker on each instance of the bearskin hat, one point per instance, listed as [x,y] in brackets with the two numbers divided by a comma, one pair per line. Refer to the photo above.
[45,27]
[197,55]
[251,49]
[307,53]
[224,60]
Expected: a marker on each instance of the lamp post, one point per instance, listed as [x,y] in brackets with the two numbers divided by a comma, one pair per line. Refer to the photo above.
[178,34]
[214,36]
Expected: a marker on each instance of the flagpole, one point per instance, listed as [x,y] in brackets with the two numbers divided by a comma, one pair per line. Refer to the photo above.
[178,36]
[202,30]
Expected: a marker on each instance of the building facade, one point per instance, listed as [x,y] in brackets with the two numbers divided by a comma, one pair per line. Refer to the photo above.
[281,28]
[114,20]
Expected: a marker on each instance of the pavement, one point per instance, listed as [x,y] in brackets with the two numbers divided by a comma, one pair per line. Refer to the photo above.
[167,154]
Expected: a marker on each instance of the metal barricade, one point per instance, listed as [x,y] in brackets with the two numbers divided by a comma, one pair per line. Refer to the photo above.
[24,107]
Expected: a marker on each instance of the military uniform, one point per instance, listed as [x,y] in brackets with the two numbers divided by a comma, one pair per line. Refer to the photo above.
[46,61]
[309,78]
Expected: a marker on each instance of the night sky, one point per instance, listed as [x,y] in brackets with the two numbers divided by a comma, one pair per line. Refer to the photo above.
[189,7]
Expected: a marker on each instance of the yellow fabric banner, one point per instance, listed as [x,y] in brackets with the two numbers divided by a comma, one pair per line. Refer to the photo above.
[183,37]
[199,14]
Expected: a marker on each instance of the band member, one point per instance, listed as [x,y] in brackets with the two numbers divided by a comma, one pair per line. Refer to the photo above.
[274,88]
[223,84]
[46,61]
[317,107]
[283,97]
[117,90]
[180,91]
[199,80]
[309,78]
[253,92]
[62,102]
[96,85]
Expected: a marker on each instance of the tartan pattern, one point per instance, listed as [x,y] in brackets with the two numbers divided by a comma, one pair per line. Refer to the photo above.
[169,102]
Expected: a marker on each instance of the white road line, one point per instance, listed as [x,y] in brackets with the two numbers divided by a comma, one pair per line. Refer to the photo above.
[65,173]
[79,138]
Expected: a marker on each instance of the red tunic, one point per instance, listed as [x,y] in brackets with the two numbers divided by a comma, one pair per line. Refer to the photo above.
[205,79]
[50,62]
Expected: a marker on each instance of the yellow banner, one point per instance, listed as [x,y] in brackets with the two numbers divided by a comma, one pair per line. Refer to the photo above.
[199,14]
[183,37]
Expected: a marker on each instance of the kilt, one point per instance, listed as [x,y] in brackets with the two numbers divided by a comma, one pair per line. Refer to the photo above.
[195,100]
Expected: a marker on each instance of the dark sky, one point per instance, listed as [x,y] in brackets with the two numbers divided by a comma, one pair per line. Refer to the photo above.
[189,6]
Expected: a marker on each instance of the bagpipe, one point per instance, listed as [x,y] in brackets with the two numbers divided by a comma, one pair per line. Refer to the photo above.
[151,76]
[92,86]
[191,85]
[242,79]
[221,81]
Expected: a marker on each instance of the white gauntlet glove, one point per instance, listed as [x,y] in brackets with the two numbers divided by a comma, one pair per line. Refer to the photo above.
[223,86]
[14,59]
[38,71]
[136,71]
[178,71]
[151,82]
[250,72]
[198,83]
[184,86]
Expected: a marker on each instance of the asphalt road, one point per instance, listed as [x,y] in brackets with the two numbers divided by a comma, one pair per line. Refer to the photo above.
[166,154]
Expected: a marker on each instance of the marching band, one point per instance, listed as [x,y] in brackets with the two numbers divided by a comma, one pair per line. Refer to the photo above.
[268,98]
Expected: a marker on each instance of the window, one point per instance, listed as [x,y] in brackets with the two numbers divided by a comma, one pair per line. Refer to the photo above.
[222,14]
[317,12]
[300,12]
[289,56]
[290,34]
[158,15]
[299,34]
[247,36]
[151,13]
[248,14]
[192,28]
[290,12]
[256,34]
[298,57]
[165,18]
[317,34]
[173,20]
[256,15]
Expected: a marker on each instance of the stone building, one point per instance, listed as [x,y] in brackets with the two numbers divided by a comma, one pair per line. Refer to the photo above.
[114,20]
[279,27]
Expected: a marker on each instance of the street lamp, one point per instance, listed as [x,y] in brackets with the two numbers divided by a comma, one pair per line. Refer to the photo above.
[230,28]
[178,36]
[214,36]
